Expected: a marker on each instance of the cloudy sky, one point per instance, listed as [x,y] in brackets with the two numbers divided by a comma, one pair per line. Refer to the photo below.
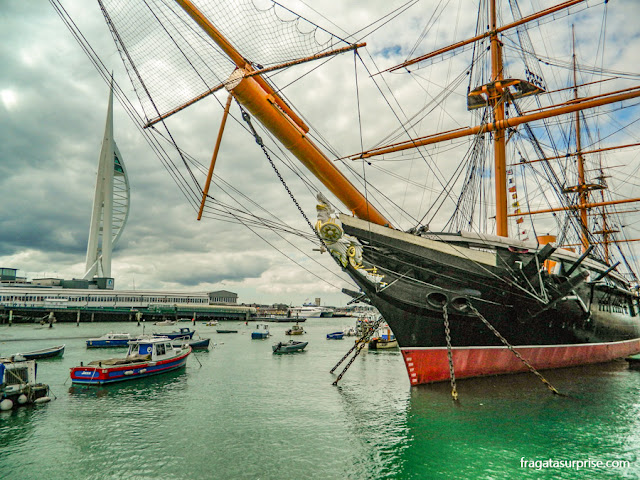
[52,112]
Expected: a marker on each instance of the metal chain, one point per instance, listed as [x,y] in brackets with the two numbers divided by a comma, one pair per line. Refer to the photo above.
[247,118]
[452,373]
[365,337]
[510,347]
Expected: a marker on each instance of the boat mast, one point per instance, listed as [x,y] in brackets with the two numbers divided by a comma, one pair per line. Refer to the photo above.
[499,144]
[259,98]
[582,187]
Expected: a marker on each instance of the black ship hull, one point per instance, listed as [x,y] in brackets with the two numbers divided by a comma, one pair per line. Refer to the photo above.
[552,319]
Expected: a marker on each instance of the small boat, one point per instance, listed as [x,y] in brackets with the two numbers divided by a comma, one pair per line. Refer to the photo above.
[211,323]
[44,353]
[166,322]
[349,331]
[335,336]
[195,344]
[261,332]
[289,347]
[295,330]
[279,319]
[147,355]
[110,340]
[226,331]
[18,385]
[383,339]
[184,333]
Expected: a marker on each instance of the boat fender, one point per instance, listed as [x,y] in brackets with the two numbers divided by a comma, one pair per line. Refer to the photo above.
[42,400]
[6,404]
[22,399]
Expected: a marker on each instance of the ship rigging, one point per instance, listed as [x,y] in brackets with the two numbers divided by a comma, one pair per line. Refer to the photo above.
[560,299]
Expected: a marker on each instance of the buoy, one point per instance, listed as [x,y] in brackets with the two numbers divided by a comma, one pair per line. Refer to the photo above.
[22,399]
[42,400]
[6,404]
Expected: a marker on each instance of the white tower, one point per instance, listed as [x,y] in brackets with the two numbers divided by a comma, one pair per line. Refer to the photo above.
[110,204]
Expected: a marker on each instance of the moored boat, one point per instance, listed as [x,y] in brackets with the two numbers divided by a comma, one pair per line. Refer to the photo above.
[18,384]
[261,332]
[279,319]
[51,352]
[382,339]
[335,336]
[306,311]
[183,332]
[109,340]
[195,344]
[166,322]
[289,347]
[295,330]
[147,356]
[223,330]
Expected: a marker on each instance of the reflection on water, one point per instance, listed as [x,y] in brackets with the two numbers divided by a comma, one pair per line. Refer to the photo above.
[500,420]
[152,388]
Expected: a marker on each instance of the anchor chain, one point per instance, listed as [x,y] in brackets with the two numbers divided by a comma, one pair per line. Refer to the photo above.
[510,347]
[358,346]
[452,373]
[247,118]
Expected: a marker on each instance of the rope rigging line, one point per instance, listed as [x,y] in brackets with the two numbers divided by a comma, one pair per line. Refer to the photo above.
[165,159]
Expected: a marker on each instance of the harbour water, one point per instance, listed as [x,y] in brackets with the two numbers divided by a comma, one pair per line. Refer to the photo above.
[239,412]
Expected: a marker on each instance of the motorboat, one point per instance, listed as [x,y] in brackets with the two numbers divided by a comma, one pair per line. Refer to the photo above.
[295,330]
[109,340]
[383,339]
[183,333]
[289,347]
[195,344]
[147,356]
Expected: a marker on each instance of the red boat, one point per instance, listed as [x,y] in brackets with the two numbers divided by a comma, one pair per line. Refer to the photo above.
[146,356]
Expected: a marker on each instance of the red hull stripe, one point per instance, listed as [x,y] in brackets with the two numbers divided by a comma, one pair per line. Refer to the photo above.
[426,365]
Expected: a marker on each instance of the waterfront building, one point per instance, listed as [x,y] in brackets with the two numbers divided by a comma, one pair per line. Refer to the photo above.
[223,296]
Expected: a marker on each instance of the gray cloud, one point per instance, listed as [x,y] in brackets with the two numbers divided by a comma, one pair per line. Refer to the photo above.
[52,113]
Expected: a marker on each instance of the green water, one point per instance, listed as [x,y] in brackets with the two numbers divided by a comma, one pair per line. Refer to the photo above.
[240,412]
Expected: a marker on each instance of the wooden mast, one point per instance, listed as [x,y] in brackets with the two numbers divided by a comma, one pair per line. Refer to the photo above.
[259,98]
[582,188]
[499,144]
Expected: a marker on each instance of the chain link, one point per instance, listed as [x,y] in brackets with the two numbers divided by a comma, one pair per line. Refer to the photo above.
[359,345]
[452,373]
[247,118]
[510,347]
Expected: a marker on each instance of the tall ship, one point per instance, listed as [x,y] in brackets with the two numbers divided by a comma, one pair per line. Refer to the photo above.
[521,259]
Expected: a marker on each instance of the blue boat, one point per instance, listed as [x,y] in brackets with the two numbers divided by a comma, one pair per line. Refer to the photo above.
[261,332]
[335,336]
[109,340]
[183,333]
[197,344]
[51,352]
[147,356]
